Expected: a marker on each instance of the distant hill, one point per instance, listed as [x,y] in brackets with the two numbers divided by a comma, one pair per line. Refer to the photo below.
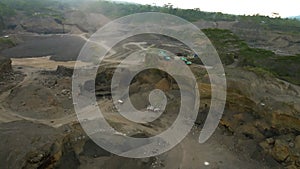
[296,17]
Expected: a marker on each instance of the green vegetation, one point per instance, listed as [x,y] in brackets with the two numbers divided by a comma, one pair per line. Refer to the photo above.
[5,10]
[6,43]
[260,61]
[31,7]
[260,71]
[227,44]
[286,67]
[115,10]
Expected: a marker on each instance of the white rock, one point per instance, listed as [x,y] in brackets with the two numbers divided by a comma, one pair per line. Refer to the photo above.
[150,108]
[119,133]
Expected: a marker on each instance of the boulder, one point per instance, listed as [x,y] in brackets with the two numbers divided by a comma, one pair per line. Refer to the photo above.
[280,152]
[270,140]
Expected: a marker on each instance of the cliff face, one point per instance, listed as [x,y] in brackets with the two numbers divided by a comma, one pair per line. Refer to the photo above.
[273,122]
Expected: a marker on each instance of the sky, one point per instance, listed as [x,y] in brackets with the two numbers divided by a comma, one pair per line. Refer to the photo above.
[285,8]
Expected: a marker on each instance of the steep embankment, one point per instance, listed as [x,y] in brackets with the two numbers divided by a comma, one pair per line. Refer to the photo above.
[5,65]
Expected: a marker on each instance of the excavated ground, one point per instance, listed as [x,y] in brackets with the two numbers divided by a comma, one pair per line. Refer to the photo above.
[260,127]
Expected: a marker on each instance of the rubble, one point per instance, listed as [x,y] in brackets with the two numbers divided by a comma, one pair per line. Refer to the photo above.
[280,150]
[64,71]
[5,66]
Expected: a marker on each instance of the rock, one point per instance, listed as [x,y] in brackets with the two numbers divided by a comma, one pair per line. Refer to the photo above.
[270,140]
[146,160]
[297,142]
[285,120]
[291,144]
[265,146]
[157,110]
[5,66]
[150,108]
[65,92]
[266,90]
[35,158]
[250,131]
[163,85]
[64,71]
[280,151]
[50,82]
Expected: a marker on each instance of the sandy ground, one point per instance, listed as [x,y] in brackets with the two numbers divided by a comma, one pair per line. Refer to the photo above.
[44,63]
